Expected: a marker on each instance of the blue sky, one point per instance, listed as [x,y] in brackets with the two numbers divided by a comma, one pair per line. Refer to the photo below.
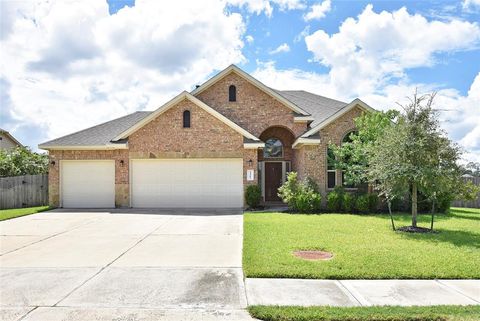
[66,66]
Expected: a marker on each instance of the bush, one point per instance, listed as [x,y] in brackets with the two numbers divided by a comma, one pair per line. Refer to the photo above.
[253,195]
[372,202]
[300,196]
[335,199]
[362,203]
[288,191]
[22,161]
[307,200]
[349,203]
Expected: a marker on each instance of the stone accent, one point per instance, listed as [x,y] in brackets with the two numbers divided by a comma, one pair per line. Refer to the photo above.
[254,109]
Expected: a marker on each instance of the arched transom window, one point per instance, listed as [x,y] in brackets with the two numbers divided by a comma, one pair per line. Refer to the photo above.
[273,148]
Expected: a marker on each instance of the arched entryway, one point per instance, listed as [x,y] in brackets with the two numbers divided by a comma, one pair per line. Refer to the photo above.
[275,160]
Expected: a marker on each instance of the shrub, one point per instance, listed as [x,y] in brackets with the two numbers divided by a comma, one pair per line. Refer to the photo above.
[362,203]
[22,161]
[289,190]
[335,199]
[307,200]
[372,202]
[300,196]
[349,202]
[253,195]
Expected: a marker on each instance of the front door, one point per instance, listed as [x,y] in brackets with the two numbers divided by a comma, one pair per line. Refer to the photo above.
[273,180]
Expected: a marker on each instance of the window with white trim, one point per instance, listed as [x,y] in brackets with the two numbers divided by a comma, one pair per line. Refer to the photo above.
[331,172]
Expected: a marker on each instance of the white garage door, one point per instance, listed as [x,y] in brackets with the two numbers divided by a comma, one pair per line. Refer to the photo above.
[187,183]
[87,183]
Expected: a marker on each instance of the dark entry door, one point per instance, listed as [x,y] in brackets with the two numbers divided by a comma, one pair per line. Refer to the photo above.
[273,180]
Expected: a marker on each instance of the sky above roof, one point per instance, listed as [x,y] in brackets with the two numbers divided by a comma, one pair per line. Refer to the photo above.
[66,66]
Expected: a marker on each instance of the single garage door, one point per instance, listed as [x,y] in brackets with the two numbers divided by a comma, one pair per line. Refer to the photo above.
[87,183]
[185,183]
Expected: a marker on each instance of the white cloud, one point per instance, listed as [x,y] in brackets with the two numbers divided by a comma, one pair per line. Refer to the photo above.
[460,114]
[468,4]
[282,48]
[67,66]
[249,39]
[266,6]
[318,11]
[379,47]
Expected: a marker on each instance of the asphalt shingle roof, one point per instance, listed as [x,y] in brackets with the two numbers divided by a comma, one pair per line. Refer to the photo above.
[321,108]
[100,134]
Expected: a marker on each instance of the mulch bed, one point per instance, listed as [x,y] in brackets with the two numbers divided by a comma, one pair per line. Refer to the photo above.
[411,229]
[313,255]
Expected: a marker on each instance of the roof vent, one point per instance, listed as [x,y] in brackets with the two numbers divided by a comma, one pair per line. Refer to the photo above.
[196,86]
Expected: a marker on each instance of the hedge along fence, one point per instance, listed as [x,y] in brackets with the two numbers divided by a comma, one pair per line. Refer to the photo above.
[471,204]
[23,191]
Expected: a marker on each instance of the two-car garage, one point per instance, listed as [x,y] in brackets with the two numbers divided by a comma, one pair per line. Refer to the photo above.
[162,183]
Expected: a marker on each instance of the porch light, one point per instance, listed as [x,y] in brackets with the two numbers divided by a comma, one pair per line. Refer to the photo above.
[52,163]
[250,162]
[122,162]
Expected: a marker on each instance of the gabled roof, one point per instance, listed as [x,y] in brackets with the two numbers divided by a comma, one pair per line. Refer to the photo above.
[173,102]
[6,133]
[97,137]
[354,103]
[253,81]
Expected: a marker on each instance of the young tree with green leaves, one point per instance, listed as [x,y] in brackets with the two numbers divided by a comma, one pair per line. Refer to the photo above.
[22,161]
[404,153]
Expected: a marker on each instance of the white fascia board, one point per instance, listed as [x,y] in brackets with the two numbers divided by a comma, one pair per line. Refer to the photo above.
[305,141]
[253,145]
[173,102]
[302,119]
[344,110]
[253,81]
[87,147]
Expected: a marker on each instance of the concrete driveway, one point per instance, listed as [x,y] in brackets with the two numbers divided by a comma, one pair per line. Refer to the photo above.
[122,265]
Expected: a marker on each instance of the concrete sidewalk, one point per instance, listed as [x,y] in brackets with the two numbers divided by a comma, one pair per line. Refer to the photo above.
[362,292]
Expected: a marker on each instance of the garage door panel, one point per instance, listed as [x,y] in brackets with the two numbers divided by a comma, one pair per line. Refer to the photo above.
[187,183]
[88,184]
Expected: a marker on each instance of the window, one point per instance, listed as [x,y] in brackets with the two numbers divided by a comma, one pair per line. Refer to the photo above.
[347,139]
[273,148]
[331,172]
[186,119]
[232,93]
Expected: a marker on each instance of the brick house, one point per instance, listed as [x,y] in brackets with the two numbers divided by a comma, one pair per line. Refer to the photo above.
[202,148]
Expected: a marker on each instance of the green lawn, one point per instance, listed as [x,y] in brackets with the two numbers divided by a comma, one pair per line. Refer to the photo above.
[364,246]
[431,313]
[17,212]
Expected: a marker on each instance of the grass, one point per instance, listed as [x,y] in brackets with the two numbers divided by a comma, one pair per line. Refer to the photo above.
[17,212]
[383,313]
[364,246]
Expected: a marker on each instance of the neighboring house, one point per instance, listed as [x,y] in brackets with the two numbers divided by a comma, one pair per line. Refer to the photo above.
[7,141]
[202,148]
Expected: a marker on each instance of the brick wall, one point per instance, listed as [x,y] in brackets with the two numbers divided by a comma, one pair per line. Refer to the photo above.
[121,171]
[254,110]
[312,160]
[164,137]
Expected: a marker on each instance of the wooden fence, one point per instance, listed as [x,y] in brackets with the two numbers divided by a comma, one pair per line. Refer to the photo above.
[23,191]
[471,204]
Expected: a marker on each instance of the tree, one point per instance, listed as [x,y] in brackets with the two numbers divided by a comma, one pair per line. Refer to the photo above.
[22,161]
[472,168]
[415,155]
[352,156]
